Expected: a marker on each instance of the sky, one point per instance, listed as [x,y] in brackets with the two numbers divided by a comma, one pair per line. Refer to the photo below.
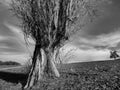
[92,43]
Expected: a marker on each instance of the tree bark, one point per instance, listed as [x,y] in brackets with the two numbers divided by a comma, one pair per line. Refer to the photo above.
[35,68]
[43,63]
[52,63]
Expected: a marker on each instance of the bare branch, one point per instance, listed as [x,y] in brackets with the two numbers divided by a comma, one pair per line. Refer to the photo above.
[52,22]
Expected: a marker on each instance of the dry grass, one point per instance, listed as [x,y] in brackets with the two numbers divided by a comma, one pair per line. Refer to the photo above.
[99,77]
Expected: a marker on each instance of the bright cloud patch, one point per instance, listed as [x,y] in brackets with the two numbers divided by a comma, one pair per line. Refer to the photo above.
[18,32]
[89,55]
[21,58]
[71,53]
[108,40]
[2,38]
[87,48]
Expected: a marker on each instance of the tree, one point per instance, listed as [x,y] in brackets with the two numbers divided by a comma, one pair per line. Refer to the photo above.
[66,55]
[51,23]
[113,54]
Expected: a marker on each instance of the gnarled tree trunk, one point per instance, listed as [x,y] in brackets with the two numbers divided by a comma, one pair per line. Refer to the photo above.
[43,63]
[51,57]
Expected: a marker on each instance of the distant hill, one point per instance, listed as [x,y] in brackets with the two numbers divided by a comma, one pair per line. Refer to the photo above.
[9,63]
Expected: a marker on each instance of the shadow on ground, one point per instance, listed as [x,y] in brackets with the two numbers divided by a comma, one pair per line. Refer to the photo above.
[14,77]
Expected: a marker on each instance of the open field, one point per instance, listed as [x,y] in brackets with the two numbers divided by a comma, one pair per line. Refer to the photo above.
[100,75]
[6,67]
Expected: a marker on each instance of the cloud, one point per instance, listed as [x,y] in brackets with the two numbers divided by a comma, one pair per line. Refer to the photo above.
[16,31]
[19,33]
[5,2]
[110,40]
[71,53]
[88,55]
[21,58]
[91,49]
[26,46]
[9,44]
[105,40]
[2,38]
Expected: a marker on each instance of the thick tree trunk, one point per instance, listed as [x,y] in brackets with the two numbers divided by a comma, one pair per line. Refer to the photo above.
[43,63]
[52,63]
[35,68]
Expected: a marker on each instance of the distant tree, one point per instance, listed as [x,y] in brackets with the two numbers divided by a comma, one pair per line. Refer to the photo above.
[113,54]
[51,23]
[9,63]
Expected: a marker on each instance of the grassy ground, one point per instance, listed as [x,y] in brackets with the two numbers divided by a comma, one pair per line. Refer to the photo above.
[80,76]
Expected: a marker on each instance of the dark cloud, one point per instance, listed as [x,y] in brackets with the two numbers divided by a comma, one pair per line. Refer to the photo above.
[10,43]
[116,2]
[7,15]
[108,22]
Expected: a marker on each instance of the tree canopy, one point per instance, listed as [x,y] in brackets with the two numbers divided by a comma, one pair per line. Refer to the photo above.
[51,22]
